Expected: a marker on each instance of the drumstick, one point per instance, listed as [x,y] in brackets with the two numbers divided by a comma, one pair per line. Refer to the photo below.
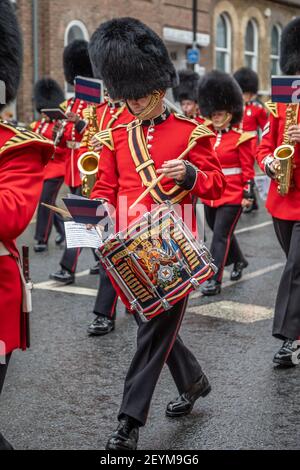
[58,210]
[157,180]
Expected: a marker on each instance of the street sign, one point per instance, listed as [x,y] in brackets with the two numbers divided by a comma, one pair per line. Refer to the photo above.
[193,55]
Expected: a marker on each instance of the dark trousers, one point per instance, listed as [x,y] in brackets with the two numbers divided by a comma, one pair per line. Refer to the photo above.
[107,298]
[224,247]
[3,370]
[287,308]
[45,217]
[157,343]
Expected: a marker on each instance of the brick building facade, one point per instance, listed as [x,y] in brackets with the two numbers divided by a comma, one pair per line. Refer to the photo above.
[222,25]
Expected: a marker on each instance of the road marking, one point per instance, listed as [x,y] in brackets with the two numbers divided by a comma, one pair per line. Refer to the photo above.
[50,284]
[246,277]
[233,311]
[253,227]
[68,289]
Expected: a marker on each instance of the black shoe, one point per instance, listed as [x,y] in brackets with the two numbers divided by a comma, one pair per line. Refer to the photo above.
[4,444]
[288,355]
[125,437]
[63,276]
[237,270]
[95,269]
[40,247]
[59,239]
[212,288]
[253,207]
[183,405]
[101,326]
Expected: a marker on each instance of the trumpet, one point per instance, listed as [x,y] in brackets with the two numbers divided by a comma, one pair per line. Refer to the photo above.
[284,154]
[88,161]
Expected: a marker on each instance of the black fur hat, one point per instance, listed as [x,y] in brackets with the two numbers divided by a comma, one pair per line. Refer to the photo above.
[290,48]
[47,94]
[247,79]
[11,51]
[131,59]
[76,61]
[188,86]
[218,91]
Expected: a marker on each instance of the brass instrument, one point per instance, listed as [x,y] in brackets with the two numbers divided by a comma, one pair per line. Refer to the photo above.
[88,162]
[285,153]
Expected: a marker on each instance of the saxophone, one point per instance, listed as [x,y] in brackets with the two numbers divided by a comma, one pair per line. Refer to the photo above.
[285,153]
[88,161]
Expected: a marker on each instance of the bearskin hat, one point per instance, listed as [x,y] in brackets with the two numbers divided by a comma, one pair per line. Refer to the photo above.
[218,91]
[188,86]
[76,61]
[247,79]
[47,94]
[290,48]
[131,59]
[11,51]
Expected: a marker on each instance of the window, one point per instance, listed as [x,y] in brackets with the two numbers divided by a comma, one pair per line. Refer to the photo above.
[275,49]
[75,30]
[251,45]
[223,44]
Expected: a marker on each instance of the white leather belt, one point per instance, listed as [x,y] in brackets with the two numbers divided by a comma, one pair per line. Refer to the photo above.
[73,145]
[3,250]
[231,171]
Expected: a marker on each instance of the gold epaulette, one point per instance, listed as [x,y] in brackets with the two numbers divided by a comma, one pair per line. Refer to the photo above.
[32,125]
[200,131]
[86,113]
[22,136]
[64,105]
[185,118]
[245,136]
[105,138]
[272,108]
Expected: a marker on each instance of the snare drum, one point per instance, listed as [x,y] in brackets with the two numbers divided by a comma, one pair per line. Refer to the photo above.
[156,262]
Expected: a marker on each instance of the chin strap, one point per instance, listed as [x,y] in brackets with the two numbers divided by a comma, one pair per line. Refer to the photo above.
[155,99]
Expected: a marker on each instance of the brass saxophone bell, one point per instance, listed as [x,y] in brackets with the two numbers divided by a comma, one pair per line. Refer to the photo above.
[88,167]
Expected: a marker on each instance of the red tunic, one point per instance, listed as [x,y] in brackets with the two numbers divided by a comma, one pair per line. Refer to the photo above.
[283,207]
[255,116]
[234,150]
[57,165]
[118,177]
[23,156]
[72,138]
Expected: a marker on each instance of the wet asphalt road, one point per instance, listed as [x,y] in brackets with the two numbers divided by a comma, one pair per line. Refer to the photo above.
[64,392]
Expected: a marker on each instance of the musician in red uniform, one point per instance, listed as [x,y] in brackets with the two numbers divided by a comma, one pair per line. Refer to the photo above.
[109,115]
[255,113]
[285,209]
[220,99]
[135,66]
[23,156]
[76,62]
[48,94]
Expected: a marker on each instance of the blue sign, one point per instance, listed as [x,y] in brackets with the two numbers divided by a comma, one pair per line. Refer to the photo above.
[193,56]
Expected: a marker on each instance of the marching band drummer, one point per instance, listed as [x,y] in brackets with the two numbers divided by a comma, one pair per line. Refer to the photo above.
[23,156]
[220,99]
[135,66]
[48,94]
[284,125]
